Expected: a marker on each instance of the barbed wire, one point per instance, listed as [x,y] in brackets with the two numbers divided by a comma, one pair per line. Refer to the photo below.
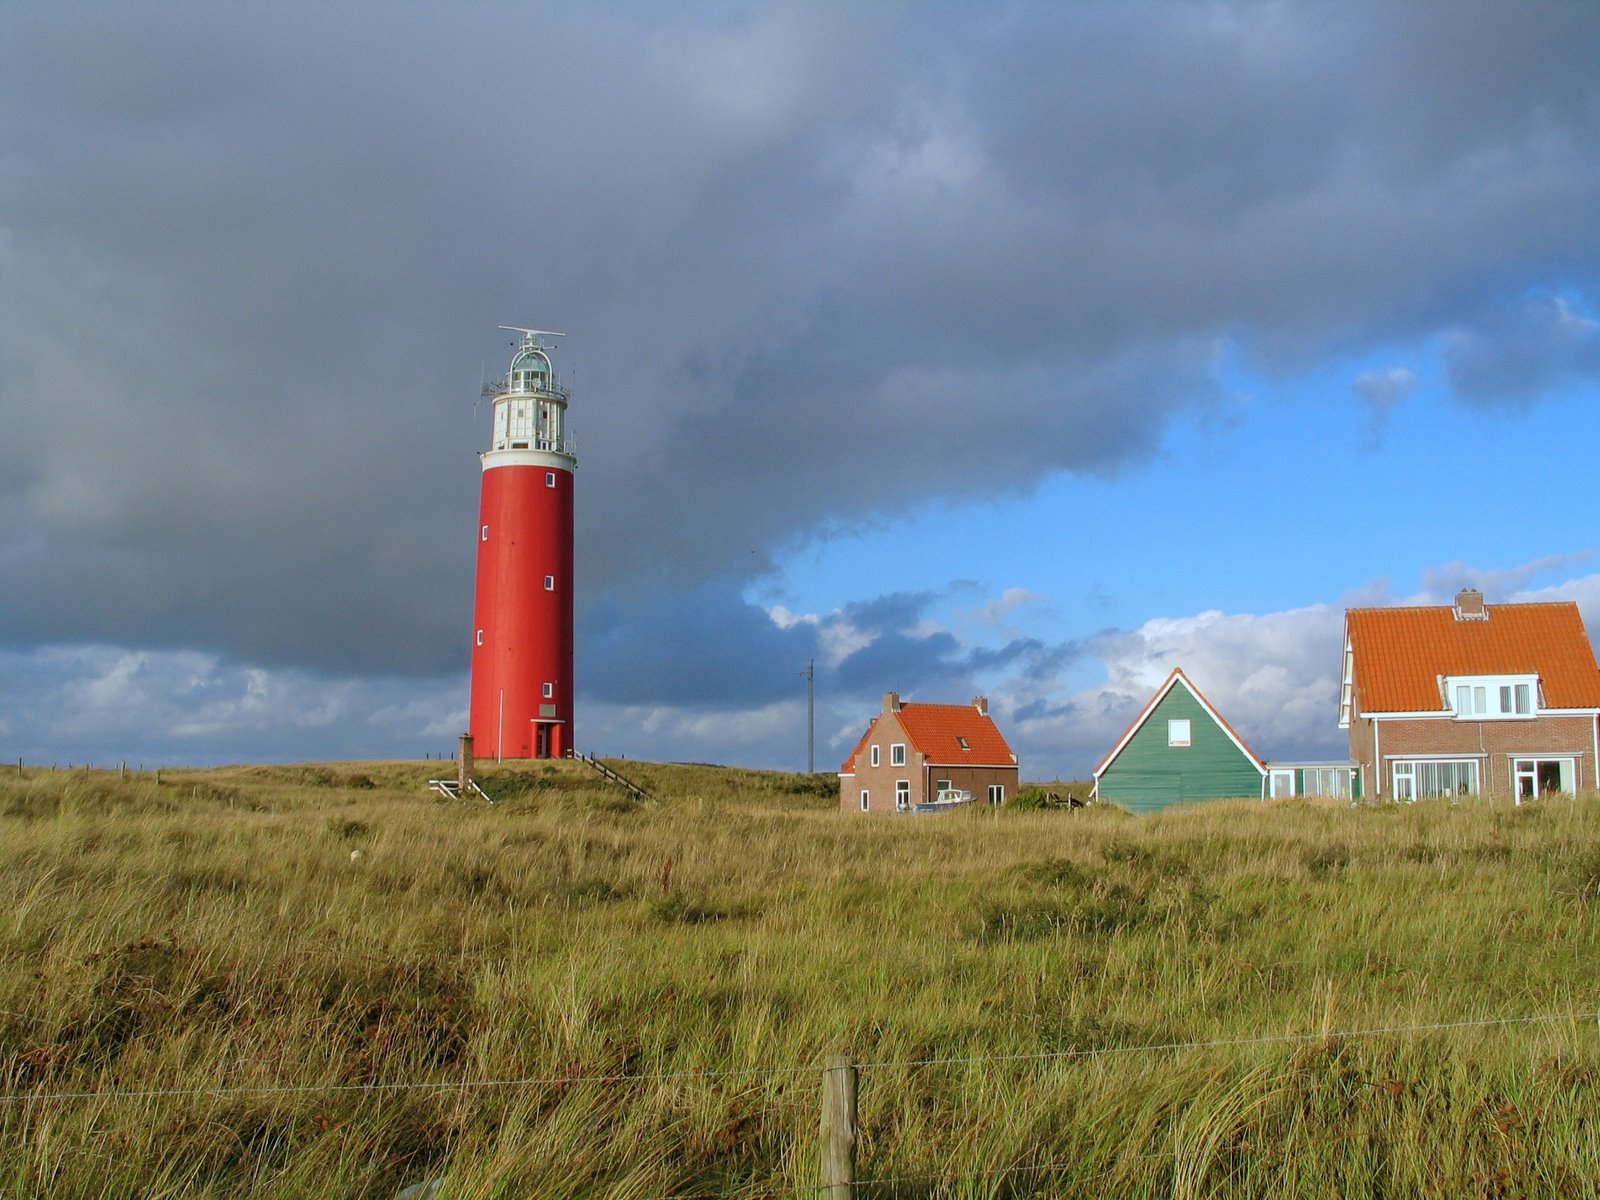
[619,1077]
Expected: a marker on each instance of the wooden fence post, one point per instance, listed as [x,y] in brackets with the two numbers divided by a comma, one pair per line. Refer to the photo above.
[464,764]
[839,1128]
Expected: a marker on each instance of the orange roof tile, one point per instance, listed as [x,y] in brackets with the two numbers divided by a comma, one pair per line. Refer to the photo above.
[934,728]
[1400,653]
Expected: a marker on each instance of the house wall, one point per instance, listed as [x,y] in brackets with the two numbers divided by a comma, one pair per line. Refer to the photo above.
[974,779]
[1148,774]
[1540,737]
[880,780]
[1361,745]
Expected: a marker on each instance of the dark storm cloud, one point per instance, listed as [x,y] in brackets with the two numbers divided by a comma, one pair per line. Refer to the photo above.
[817,263]
[1516,353]
[897,647]
[702,649]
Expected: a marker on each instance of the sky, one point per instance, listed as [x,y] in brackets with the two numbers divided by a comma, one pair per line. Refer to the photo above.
[1017,350]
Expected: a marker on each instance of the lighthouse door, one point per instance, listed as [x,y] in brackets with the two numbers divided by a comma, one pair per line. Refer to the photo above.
[541,740]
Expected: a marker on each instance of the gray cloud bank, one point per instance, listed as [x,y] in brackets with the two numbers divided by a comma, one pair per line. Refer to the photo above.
[818,264]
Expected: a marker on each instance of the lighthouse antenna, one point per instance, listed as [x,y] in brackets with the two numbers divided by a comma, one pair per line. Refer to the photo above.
[532,332]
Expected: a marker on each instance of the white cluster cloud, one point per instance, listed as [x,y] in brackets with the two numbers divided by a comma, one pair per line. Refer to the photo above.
[103,704]
[1274,676]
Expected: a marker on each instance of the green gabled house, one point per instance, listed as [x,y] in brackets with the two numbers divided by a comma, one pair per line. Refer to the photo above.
[1178,749]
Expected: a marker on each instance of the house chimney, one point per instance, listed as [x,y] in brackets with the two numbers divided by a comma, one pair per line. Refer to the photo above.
[1470,605]
[891,702]
[981,703]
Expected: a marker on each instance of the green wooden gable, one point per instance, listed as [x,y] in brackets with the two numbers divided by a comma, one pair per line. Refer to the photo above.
[1146,773]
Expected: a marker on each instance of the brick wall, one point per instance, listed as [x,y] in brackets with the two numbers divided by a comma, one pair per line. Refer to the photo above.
[1544,737]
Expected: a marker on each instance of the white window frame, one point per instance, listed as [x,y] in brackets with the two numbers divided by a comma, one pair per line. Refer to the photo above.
[877,757]
[549,691]
[902,794]
[1526,766]
[866,799]
[1403,774]
[484,536]
[480,637]
[549,583]
[1180,731]
[997,793]
[1281,773]
[897,754]
[1492,697]
[1327,783]
[549,479]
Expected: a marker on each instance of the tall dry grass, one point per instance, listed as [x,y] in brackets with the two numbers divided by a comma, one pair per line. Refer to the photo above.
[317,981]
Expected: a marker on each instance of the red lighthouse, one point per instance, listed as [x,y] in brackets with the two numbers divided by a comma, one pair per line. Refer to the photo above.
[522,612]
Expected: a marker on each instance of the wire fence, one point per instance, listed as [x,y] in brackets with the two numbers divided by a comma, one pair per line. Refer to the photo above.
[756,1071]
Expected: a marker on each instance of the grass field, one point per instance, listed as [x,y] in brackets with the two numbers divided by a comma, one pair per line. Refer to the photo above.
[322,981]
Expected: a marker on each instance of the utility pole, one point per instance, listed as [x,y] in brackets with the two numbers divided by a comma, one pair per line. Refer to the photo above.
[811,717]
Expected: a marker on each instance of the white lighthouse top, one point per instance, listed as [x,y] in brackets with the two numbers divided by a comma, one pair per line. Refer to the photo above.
[530,405]
[531,370]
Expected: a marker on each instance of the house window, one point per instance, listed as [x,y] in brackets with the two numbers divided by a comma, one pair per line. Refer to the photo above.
[485,534]
[897,754]
[962,742]
[1178,731]
[997,793]
[1328,781]
[876,756]
[943,785]
[1536,777]
[549,583]
[866,797]
[1492,697]
[1420,779]
[902,794]
[549,691]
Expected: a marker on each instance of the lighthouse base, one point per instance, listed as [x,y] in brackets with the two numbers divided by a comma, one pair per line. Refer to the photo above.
[549,740]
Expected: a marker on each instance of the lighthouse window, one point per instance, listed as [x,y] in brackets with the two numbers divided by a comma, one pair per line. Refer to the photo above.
[485,533]
[480,637]
[549,691]
[549,583]
[549,479]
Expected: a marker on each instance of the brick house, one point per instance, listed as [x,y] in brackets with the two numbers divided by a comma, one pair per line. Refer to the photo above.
[911,752]
[1471,698]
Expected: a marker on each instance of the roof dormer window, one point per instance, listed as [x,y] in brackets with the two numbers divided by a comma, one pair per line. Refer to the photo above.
[1492,697]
